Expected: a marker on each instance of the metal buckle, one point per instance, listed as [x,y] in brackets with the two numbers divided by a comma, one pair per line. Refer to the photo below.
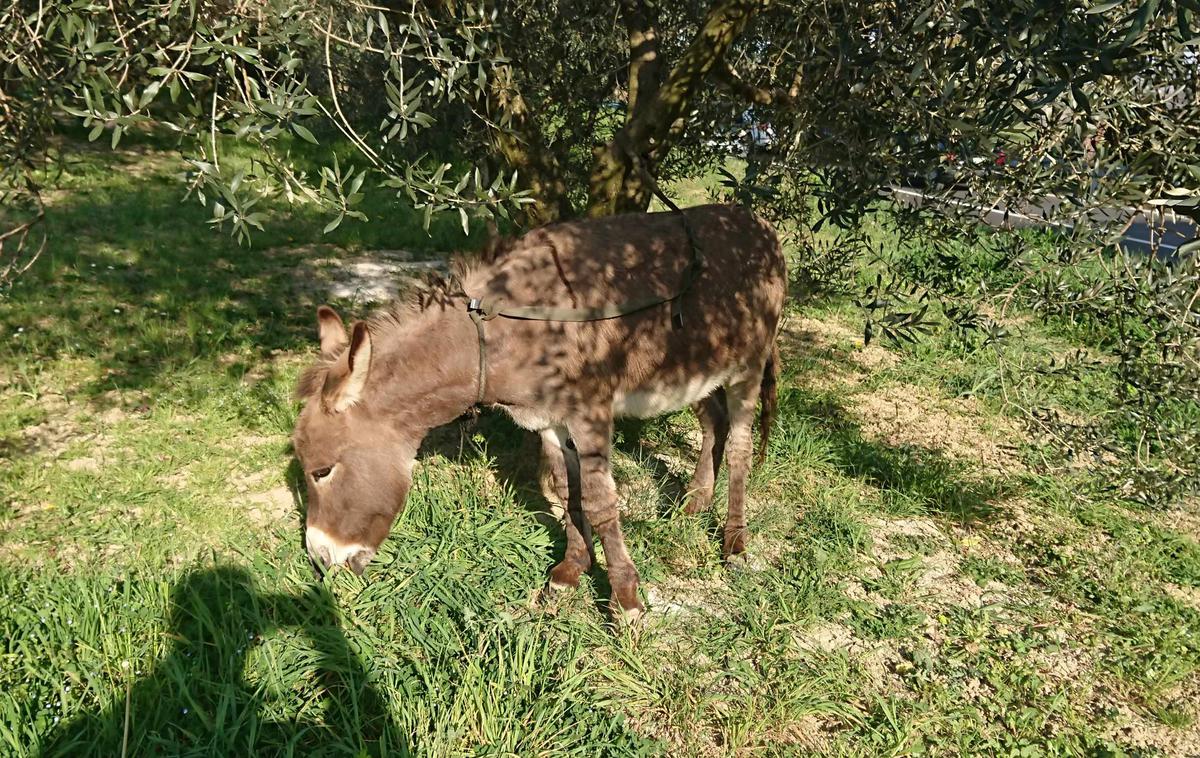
[476,309]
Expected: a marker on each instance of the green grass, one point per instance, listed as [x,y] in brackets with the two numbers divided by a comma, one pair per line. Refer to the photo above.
[903,595]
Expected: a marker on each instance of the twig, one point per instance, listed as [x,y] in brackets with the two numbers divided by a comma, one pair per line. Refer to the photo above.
[13,269]
[348,130]
[213,128]
[128,709]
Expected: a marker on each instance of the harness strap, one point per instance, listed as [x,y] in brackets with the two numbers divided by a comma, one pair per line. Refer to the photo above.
[482,310]
[485,309]
[478,317]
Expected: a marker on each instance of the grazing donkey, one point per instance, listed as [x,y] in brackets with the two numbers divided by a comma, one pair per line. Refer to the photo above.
[511,334]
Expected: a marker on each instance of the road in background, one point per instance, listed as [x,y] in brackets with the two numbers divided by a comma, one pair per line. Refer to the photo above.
[1167,234]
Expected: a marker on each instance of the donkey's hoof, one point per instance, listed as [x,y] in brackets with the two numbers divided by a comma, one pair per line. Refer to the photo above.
[628,618]
[737,560]
[734,546]
[565,576]
[698,502]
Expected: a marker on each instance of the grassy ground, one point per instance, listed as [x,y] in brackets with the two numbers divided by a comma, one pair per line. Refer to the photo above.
[915,583]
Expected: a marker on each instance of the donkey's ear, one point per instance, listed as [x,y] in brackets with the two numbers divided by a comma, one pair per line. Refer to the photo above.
[345,382]
[331,331]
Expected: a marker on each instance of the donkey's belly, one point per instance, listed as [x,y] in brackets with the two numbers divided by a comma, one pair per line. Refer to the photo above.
[655,400]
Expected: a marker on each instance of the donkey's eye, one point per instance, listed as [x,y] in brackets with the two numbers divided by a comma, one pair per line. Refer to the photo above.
[321,473]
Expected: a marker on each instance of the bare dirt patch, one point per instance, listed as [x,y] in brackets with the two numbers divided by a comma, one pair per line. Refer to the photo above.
[1186,595]
[1139,730]
[66,423]
[374,277]
[808,733]
[271,507]
[1184,519]
[836,349]
[51,437]
[941,582]
[938,580]
[86,463]
[874,358]
[908,415]
[826,332]
[673,595]
[244,441]
[827,637]
[803,339]
[263,504]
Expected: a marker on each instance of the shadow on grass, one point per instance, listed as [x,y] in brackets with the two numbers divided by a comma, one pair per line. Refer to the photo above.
[516,454]
[137,281]
[197,700]
[631,438]
[919,477]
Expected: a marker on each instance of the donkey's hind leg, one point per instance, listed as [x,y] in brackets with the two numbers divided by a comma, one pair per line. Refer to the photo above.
[742,399]
[563,463]
[714,425]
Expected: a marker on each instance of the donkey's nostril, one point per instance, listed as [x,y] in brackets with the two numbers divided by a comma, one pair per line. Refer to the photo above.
[322,556]
[358,562]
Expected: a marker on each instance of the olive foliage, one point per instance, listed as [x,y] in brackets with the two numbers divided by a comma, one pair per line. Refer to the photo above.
[1066,115]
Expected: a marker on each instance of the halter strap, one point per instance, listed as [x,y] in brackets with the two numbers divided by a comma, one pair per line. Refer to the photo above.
[477,314]
[481,310]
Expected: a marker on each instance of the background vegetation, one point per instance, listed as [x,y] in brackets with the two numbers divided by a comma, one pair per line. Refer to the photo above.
[552,109]
[977,537]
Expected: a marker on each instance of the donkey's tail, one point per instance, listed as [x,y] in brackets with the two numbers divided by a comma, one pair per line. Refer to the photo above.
[769,397]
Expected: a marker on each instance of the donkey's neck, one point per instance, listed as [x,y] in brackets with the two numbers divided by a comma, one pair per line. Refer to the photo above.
[425,371]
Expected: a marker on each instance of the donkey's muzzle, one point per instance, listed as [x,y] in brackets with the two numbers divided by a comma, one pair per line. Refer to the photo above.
[325,552]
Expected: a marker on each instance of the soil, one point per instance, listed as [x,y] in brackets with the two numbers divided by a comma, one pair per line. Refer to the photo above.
[908,415]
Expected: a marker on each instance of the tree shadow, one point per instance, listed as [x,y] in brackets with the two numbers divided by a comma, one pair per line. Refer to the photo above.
[198,699]
[516,461]
[137,279]
[630,439]
[515,455]
[921,475]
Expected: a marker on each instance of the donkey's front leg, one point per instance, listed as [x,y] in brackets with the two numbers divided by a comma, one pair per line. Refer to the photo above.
[562,462]
[593,442]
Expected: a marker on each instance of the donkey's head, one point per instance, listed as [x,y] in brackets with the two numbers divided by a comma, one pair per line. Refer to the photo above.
[357,462]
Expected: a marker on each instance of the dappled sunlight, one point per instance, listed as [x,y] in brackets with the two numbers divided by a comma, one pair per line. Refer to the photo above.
[912,578]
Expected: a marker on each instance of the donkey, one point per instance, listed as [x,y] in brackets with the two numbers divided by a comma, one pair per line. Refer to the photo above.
[715,280]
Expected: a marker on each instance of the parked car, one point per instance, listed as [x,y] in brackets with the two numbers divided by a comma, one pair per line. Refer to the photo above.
[745,134]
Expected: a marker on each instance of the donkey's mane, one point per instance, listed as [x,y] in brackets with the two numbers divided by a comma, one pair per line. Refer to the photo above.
[436,290]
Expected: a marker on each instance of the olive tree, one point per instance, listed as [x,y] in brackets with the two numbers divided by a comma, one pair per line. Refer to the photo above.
[1070,112]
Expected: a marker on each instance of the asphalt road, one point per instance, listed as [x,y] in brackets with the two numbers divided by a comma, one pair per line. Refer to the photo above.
[1166,234]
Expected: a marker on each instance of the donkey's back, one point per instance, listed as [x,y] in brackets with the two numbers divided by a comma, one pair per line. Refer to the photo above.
[696,299]
[724,263]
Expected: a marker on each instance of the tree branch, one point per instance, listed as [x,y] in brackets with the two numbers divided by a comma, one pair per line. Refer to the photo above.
[752,93]
[616,185]
[645,65]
